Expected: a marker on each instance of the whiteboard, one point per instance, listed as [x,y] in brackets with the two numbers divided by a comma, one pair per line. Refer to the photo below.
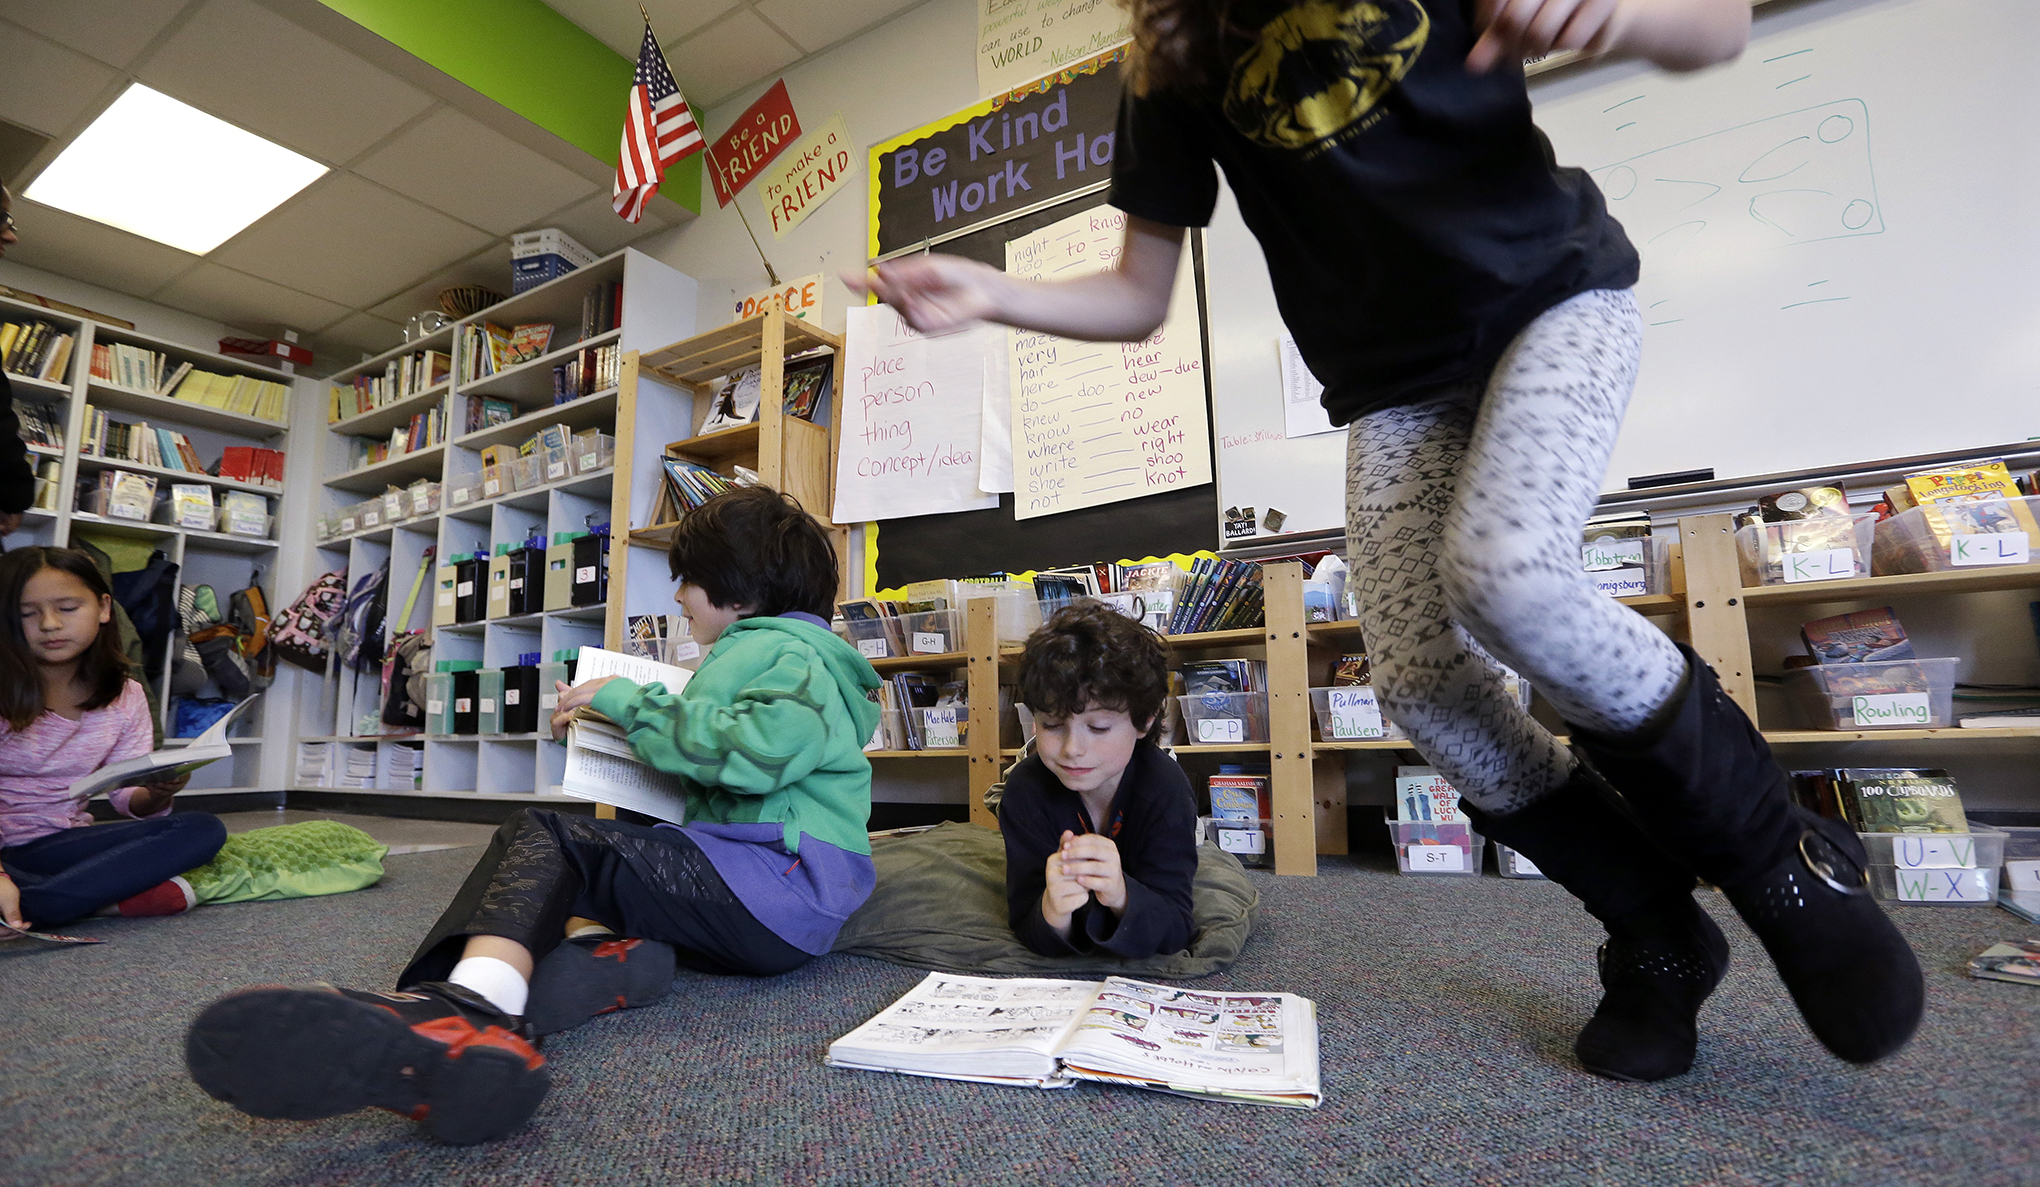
[1841,255]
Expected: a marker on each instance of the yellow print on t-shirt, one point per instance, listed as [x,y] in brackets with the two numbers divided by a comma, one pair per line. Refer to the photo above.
[1318,68]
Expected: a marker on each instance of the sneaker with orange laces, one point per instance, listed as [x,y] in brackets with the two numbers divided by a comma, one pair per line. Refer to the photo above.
[437,1053]
[598,974]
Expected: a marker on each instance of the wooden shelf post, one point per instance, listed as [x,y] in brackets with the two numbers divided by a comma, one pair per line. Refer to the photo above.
[981,685]
[1715,619]
[1292,785]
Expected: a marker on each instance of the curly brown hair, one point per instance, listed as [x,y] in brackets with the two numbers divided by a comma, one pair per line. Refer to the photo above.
[1177,44]
[1089,655]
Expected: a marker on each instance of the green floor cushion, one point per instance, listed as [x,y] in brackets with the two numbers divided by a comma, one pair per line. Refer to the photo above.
[289,861]
[940,904]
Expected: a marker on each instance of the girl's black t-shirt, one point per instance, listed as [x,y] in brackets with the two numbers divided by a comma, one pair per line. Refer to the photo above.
[1413,217]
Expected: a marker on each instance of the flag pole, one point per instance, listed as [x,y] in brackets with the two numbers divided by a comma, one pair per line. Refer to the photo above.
[708,151]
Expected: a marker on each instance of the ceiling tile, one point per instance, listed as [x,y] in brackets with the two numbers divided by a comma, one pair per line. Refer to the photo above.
[93,252]
[728,56]
[816,27]
[594,224]
[359,333]
[489,268]
[349,241]
[619,26]
[48,88]
[251,67]
[113,31]
[478,175]
[247,302]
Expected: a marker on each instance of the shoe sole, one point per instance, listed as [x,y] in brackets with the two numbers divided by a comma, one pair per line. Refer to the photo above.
[1720,956]
[571,986]
[303,1055]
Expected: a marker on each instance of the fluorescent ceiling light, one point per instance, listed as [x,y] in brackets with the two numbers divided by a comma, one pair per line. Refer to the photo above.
[167,171]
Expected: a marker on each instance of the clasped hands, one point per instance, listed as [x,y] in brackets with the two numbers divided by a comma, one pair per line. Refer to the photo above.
[1082,867]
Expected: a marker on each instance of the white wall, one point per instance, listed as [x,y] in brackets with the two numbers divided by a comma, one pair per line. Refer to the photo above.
[918,67]
[150,318]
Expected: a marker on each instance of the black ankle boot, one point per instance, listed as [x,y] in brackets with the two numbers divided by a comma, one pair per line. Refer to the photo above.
[1705,787]
[1663,955]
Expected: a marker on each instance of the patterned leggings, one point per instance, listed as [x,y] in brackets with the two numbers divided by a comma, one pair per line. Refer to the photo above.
[1463,520]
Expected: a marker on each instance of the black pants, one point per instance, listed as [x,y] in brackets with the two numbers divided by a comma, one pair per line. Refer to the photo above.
[70,874]
[543,868]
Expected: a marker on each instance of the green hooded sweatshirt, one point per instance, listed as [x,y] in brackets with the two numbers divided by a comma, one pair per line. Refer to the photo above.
[771,729]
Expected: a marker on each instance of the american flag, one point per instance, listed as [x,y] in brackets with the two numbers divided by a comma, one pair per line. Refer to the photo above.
[657,131]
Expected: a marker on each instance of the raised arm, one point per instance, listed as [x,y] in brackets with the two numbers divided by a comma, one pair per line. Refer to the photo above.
[1124,304]
[1673,34]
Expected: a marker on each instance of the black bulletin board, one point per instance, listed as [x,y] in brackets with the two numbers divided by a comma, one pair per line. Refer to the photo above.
[966,543]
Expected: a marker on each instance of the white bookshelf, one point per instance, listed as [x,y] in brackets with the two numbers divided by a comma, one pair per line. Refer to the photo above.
[225,562]
[657,307]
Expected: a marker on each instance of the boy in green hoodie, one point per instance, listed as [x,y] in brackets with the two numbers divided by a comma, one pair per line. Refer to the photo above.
[567,917]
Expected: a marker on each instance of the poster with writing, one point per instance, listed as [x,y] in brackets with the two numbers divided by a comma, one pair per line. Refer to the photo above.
[1097,422]
[912,411]
[816,170]
[1303,410]
[1021,40]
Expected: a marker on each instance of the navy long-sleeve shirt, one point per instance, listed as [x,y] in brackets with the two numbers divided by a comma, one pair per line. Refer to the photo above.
[1153,821]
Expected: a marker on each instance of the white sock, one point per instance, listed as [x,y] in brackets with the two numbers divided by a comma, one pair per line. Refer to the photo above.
[495,980]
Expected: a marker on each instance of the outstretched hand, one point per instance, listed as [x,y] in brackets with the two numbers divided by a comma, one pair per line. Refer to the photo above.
[10,904]
[933,294]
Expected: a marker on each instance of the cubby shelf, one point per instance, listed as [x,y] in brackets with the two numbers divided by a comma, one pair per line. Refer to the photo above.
[1978,580]
[101,394]
[379,422]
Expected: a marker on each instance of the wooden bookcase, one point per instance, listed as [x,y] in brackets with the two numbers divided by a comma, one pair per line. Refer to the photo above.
[225,562]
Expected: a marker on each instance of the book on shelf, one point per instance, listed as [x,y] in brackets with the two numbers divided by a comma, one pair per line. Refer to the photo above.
[602,309]
[527,342]
[250,464]
[486,412]
[119,494]
[592,370]
[39,425]
[1240,796]
[688,485]
[1421,793]
[1899,800]
[1242,1048]
[166,764]
[1998,719]
[735,403]
[1859,637]
[35,349]
[808,386]
[2017,961]
[400,379]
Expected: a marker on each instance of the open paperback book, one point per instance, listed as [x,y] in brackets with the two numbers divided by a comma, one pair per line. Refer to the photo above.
[163,765]
[1247,1048]
[600,765]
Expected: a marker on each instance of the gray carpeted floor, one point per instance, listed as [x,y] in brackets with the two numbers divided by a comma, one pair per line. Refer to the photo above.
[1447,1007]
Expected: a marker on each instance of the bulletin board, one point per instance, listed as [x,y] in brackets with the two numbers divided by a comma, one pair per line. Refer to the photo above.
[906,211]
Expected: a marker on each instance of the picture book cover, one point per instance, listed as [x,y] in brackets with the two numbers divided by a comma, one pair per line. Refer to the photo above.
[1861,637]
[1902,800]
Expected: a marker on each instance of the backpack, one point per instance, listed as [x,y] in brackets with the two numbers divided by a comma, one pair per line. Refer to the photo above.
[299,635]
[248,614]
[358,628]
[403,683]
[149,595]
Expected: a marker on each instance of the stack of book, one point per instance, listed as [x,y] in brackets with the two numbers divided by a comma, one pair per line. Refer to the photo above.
[602,309]
[1219,595]
[401,379]
[137,442]
[36,349]
[688,485]
[38,427]
[252,464]
[131,367]
[484,412]
[592,369]
[1884,799]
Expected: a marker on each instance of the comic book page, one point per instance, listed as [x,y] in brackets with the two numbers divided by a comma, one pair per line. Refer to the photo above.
[1256,1048]
[993,1030]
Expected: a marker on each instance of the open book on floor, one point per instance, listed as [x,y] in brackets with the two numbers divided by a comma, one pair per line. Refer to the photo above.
[600,765]
[169,763]
[1247,1048]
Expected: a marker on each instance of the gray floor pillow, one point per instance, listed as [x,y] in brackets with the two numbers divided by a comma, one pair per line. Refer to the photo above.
[941,904]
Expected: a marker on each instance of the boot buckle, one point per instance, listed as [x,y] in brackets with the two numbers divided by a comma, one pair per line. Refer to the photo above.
[1818,860]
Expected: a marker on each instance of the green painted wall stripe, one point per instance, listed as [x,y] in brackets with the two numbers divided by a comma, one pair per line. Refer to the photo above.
[530,59]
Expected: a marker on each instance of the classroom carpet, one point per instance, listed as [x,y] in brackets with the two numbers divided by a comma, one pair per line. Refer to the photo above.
[1447,1008]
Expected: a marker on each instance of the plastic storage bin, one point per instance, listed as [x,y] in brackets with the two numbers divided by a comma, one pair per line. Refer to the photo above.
[1938,869]
[527,472]
[870,638]
[555,465]
[1018,613]
[439,702]
[1628,568]
[943,727]
[890,733]
[1513,864]
[1430,848]
[1351,713]
[464,492]
[1958,535]
[593,453]
[1901,694]
[1252,841]
[369,513]
[495,481]
[1828,548]
[1221,718]
[396,504]
[932,632]
[489,701]
[424,497]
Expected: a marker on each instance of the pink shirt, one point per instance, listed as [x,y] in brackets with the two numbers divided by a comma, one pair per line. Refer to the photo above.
[39,764]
